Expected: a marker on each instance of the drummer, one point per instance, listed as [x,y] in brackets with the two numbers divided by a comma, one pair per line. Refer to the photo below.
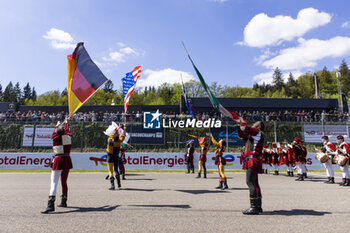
[328,148]
[344,150]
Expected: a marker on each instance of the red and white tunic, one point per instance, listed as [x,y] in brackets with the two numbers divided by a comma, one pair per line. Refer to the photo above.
[344,149]
[61,149]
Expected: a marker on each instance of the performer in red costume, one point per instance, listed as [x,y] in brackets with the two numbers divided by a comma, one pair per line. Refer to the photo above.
[254,137]
[61,164]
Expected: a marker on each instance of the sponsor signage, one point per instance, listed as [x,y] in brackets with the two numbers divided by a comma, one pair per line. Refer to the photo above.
[145,137]
[314,133]
[231,136]
[42,136]
[134,161]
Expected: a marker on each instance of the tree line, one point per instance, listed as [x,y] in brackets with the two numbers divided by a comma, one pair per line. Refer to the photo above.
[169,94]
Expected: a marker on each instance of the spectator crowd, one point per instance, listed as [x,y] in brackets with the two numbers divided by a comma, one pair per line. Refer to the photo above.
[283,116]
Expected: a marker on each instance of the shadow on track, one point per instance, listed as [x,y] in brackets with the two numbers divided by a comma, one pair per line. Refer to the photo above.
[294,212]
[164,206]
[141,190]
[201,191]
[75,209]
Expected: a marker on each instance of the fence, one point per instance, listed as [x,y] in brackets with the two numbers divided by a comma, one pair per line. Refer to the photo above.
[89,136]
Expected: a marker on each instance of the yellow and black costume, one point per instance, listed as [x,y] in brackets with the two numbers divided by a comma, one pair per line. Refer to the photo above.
[113,148]
[220,161]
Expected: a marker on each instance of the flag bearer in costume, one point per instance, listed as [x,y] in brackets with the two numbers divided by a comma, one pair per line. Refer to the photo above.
[329,149]
[61,164]
[220,161]
[202,158]
[254,138]
[343,149]
[299,158]
[113,149]
[189,157]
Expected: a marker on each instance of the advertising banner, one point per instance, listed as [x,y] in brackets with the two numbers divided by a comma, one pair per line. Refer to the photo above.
[231,138]
[134,161]
[146,137]
[42,137]
[314,133]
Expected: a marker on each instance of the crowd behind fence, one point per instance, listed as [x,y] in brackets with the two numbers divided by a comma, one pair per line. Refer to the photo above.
[90,137]
[137,116]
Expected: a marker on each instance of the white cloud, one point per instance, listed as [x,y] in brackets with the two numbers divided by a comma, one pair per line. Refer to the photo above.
[266,53]
[119,56]
[158,77]
[267,77]
[308,52]
[59,39]
[263,30]
[346,24]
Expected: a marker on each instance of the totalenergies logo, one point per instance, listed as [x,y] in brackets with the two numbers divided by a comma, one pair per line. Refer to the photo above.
[228,158]
[102,160]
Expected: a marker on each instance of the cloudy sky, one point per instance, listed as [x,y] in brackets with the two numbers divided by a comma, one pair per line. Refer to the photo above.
[233,42]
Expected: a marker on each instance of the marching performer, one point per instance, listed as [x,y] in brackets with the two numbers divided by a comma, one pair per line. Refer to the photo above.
[202,158]
[122,160]
[220,161]
[189,157]
[276,156]
[328,149]
[299,158]
[61,164]
[289,158]
[266,159]
[113,148]
[254,138]
[304,155]
[343,151]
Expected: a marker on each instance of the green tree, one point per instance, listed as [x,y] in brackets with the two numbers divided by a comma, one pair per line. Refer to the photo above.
[1,94]
[277,79]
[345,78]
[8,95]
[27,92]
[34,96]
[108,86]
[17,92]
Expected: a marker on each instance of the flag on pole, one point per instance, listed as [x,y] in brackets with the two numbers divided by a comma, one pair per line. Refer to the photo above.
[84,78]
[190,109]
[129,83]
[216,104]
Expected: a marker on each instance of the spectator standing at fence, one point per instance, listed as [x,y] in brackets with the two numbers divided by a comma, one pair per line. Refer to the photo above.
[61,164]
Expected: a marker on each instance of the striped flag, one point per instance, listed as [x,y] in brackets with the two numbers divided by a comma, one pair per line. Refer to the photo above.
[129,83]
[216,104]
[189,107]
[84,78]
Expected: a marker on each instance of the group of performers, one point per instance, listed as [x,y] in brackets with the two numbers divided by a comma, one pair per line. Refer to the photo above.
[256,156]
[292,155]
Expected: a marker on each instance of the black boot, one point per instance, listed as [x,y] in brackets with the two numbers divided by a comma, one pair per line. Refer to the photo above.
[259,205]
[50,205]
[205,175]
[332,180]
[292,174]
[275,173]
[278,173]
[288,173]
[199,175]
[347,182]
[112,184]
[63,201]
[342,183]
[123,177]
[253,210]
[305,175]
[107,177]
[299,177]
[328,181]
[225,185]
[220,185]
[266,171]
[118,181]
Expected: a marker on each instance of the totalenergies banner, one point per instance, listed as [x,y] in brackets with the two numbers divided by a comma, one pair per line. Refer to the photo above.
[314,133]
[134,161]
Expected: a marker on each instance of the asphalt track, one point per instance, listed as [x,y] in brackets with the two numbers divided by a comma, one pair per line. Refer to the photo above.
[173,202]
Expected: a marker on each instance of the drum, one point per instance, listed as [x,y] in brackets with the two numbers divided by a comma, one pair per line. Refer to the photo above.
[322,157]
[341,159]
